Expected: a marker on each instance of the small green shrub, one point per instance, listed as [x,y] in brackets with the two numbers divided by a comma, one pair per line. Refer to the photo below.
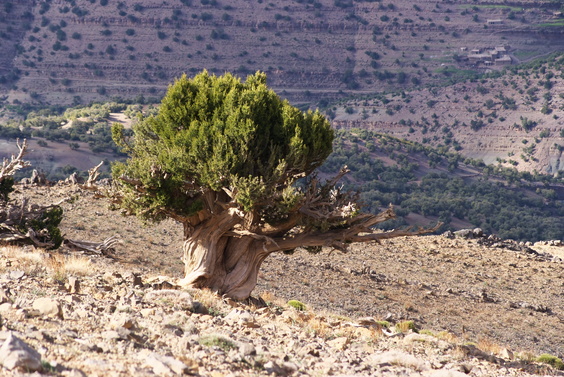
[551,360]
[297,305]
[384,324]
[217,341]
[405,326]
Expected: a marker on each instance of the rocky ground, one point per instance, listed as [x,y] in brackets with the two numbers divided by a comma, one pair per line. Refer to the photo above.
[425,306]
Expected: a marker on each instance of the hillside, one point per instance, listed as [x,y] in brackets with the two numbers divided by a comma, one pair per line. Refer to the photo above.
[64,52]
[511,118]
[428,184]
[476,310]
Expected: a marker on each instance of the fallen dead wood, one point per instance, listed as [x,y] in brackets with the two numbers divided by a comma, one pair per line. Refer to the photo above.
[105,248]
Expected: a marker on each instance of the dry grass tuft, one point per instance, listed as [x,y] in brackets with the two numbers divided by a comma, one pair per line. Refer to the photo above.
[405,326]
[319,327]
[447,336]
[21,254]
[78,265]
[60,266]
[272,300]
[526,356]
[489,346]
[209,300]
[32,262]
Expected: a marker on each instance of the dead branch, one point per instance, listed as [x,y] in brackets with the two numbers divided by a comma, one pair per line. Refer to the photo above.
[100,248]
[357,230]
[10,167]
[93,175]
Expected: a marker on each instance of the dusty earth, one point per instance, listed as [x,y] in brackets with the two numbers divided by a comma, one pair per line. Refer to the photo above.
[480,310]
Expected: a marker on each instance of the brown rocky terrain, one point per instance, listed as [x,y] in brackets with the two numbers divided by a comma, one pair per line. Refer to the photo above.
[481,307]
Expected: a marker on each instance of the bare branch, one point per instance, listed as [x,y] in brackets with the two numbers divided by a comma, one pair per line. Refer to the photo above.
[100,248]
[357,230]
[93,175]
[9,167]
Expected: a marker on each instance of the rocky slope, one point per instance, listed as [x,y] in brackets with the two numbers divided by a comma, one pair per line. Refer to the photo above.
[481,308]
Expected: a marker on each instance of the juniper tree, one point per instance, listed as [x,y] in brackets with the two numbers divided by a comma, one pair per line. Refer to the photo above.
[234,163]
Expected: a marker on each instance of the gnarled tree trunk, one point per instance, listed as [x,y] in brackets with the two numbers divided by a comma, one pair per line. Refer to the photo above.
[217,260]
[219,257]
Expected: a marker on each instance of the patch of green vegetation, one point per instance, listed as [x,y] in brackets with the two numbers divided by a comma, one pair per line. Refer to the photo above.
[551,360]
[384,324]
[456,74]
[508,206]
[557,23]
[217,341]
[297,305]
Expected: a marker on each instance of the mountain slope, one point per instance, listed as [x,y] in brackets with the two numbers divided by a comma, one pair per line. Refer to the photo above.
[512,117]
[81,51]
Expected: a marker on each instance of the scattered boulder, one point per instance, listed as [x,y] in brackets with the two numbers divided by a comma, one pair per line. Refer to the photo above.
[395,357]
[164,365]
[16,354]
[241,317]
[339,343]
[47,307]
[464,233]
[72,285]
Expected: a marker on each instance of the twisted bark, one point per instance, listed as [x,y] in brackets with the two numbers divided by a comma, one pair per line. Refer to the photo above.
[221,256]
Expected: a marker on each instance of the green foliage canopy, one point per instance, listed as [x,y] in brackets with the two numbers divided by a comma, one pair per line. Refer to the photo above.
[214,134]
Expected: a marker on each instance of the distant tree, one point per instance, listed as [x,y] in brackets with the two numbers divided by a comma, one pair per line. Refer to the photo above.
[224,157]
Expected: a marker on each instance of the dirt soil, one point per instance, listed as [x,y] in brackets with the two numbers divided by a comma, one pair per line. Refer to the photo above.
[512,298]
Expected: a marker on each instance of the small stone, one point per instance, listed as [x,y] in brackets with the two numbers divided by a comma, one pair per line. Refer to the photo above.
[72,285]
[165,365]
[15,353]
[272,368]
[4,297]
[16,274]
[5,307]
[419,338]
[464,233]
[122,322]
[48,307]
[367,321]
[247,349]
[110,335]
[507,354]
[242,317]
[364,332]
[399,358]
[73,373]
[137,281]
[339,343]
[443,373]
[170,297]
[147,312]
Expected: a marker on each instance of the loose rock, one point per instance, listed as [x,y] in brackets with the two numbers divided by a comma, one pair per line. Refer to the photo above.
[15,353]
